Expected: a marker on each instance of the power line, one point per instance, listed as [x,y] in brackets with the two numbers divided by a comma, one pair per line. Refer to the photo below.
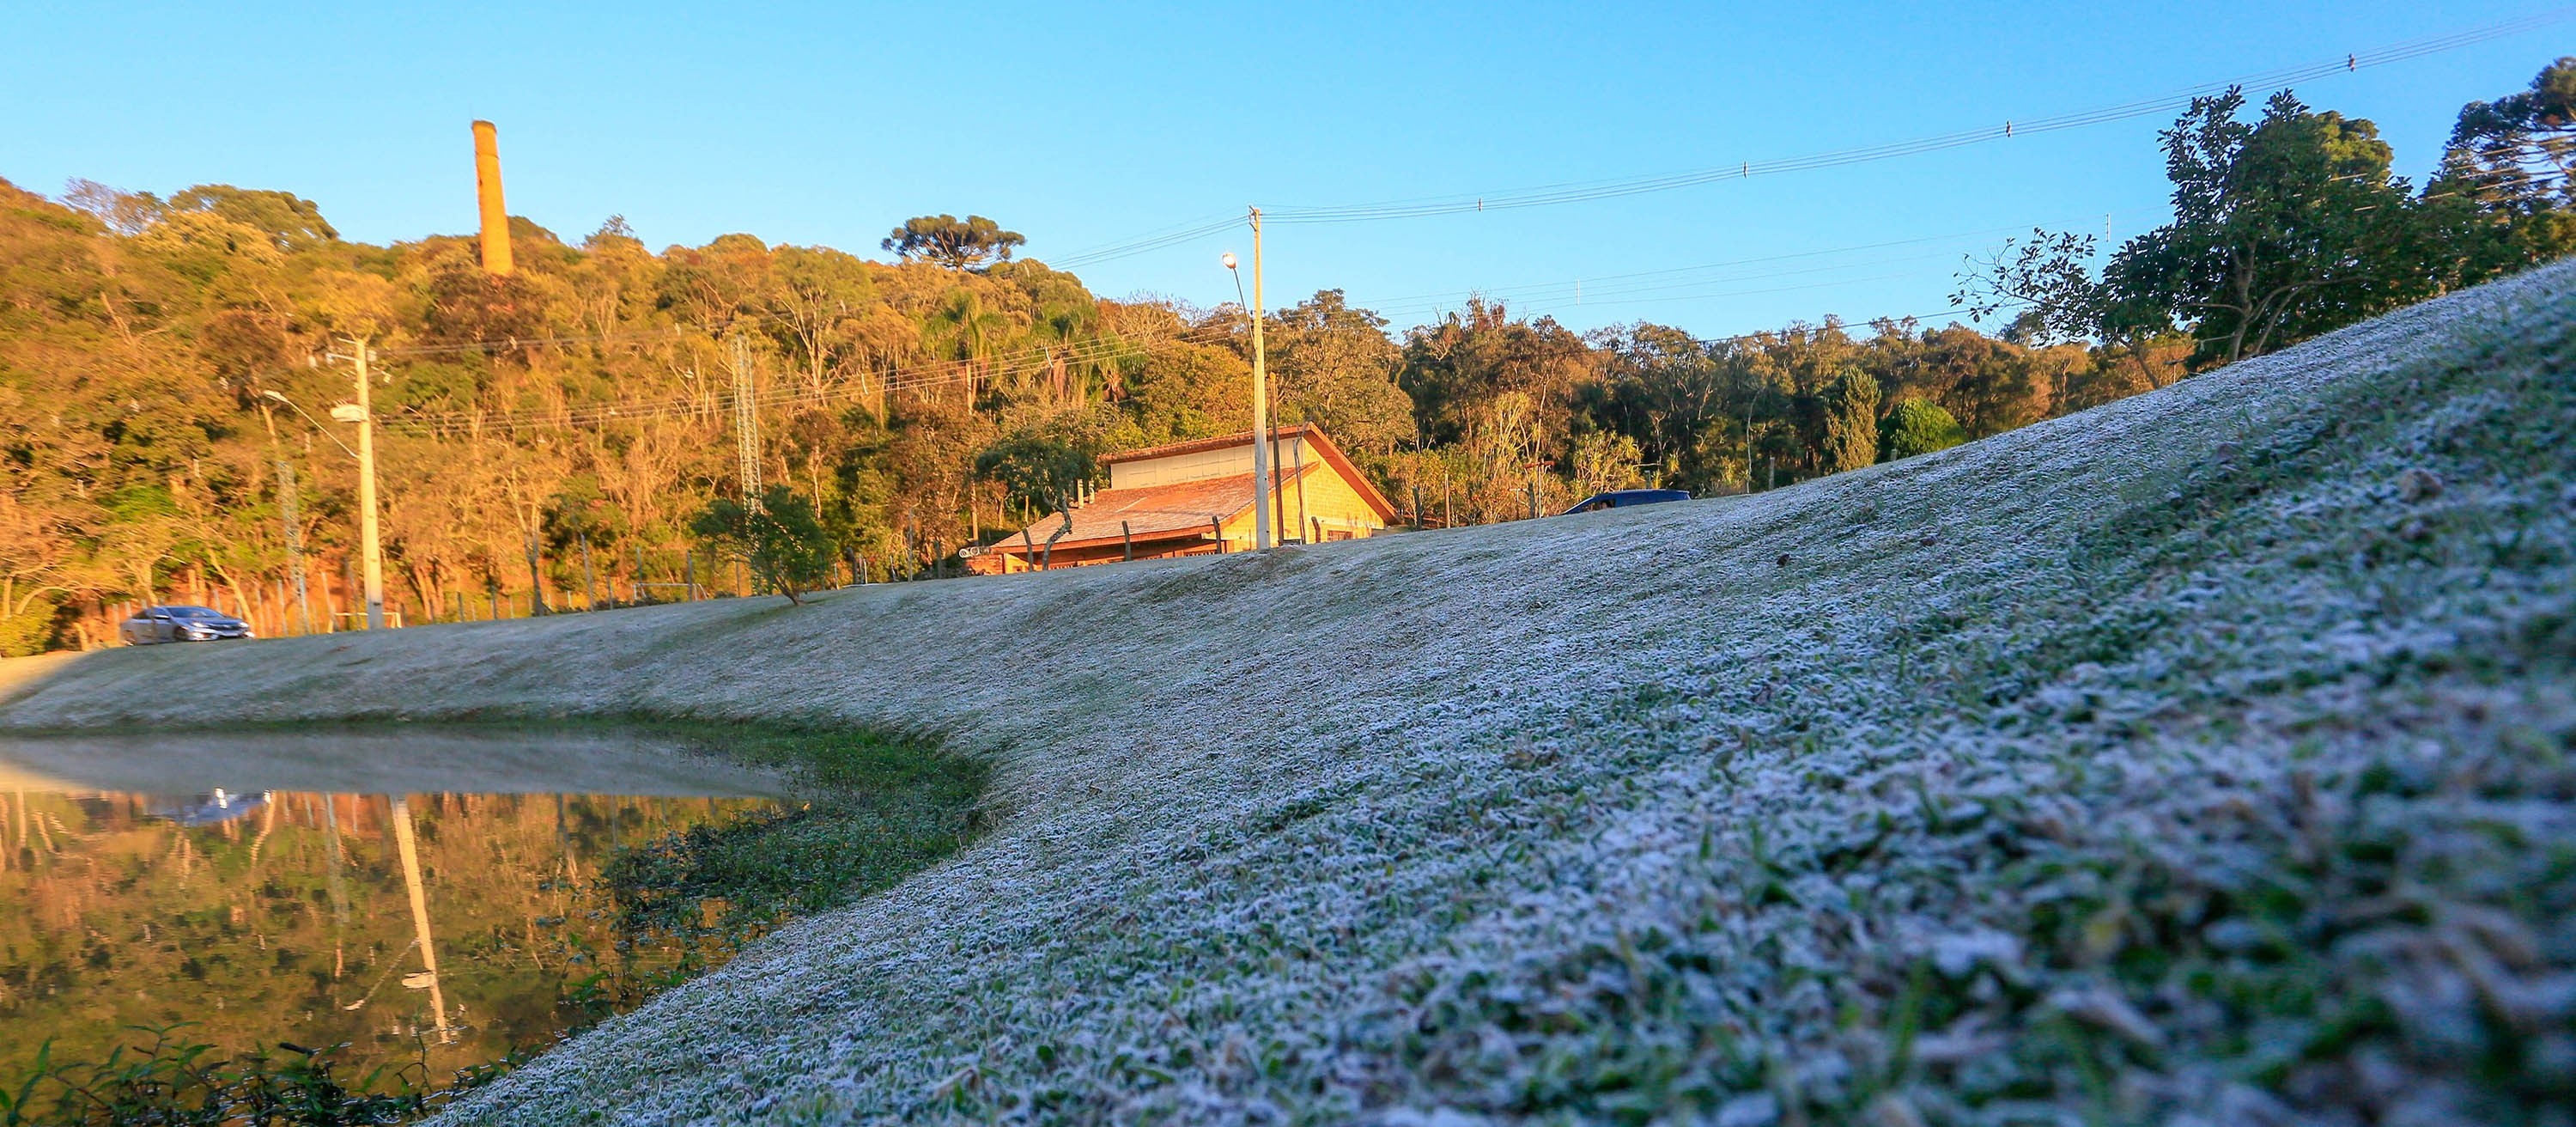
[1145,243]
[1629,288]
[1550,195]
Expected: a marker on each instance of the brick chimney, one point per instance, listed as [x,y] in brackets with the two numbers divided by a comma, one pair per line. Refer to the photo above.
[487,191]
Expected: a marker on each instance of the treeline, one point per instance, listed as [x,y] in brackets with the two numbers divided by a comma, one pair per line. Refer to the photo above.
[548,437]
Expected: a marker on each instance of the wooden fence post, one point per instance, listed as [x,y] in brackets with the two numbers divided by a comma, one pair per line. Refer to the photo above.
[1126,541]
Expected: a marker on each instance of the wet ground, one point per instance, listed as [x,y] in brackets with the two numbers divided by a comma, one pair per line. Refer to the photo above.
[430,900]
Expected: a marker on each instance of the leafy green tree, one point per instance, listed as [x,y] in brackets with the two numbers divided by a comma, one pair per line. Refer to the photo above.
[1456,369]
[126,213]
[953,243]
[291,220]
[964,328]
[2507,188]
[1851,421]
[1042,466]
[2283,228]
[580,511]
[1603,461]
[1917,426]
[2047,283]
[714,285]
[779,539]
[815,299]
[1334,366]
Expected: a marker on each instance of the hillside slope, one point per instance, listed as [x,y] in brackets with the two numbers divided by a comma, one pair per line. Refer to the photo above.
[2205,754]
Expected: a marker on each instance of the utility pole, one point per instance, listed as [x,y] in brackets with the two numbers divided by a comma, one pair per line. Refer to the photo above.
[1260,404]
[746,424]
[367,530]
[1262,455]
[368,535]
[409,851]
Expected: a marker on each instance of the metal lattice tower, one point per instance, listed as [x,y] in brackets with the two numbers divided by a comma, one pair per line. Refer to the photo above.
[746,423]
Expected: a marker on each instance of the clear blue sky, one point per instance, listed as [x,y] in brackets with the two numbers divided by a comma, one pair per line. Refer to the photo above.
[829,124]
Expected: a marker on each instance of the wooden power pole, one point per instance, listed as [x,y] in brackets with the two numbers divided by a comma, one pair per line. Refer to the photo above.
[746,424]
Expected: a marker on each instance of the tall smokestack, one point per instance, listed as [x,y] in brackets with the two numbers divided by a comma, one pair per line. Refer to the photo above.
[487,190]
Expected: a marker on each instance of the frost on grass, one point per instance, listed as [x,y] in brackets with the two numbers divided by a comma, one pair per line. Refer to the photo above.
[2202,759]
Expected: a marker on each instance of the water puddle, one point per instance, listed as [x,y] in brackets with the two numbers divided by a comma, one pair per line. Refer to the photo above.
[434,902]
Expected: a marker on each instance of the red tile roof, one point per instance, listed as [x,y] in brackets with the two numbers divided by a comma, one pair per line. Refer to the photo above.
[1181,509]
[1203,445]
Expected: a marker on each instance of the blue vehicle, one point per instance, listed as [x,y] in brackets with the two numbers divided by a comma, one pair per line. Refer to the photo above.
[1623,498]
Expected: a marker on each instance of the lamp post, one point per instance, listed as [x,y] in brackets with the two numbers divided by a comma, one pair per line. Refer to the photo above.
[1260,391]
[308,417]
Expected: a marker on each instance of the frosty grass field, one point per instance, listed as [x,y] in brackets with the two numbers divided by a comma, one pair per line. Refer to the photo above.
[2203,758]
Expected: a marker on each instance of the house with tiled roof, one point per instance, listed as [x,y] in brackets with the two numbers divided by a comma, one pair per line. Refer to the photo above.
[1195,498]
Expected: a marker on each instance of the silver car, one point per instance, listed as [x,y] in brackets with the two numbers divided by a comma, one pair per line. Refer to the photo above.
[180,624]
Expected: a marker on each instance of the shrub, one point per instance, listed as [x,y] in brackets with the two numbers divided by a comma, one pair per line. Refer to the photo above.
[1917,426]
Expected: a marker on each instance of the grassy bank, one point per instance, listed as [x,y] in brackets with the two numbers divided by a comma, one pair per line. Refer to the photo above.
[865,810]
[2200,758]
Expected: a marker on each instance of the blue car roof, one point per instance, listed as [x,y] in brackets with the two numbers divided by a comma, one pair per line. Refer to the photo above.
[1622,498]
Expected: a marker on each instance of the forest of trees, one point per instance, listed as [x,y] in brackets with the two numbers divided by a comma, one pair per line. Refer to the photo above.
[567,424]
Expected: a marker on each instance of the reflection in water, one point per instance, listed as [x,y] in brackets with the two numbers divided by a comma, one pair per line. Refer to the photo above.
[433,930]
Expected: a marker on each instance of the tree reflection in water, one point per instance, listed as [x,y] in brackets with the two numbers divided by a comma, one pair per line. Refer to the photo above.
[434,930]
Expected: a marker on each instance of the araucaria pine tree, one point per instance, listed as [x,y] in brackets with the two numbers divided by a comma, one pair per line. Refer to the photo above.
[1851,422]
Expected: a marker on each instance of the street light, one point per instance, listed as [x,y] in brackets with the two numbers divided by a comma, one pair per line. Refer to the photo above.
[317,423]
[1260,391]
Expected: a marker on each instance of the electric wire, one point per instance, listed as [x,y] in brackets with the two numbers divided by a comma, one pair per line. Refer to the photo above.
[922,376]
[1550,195]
